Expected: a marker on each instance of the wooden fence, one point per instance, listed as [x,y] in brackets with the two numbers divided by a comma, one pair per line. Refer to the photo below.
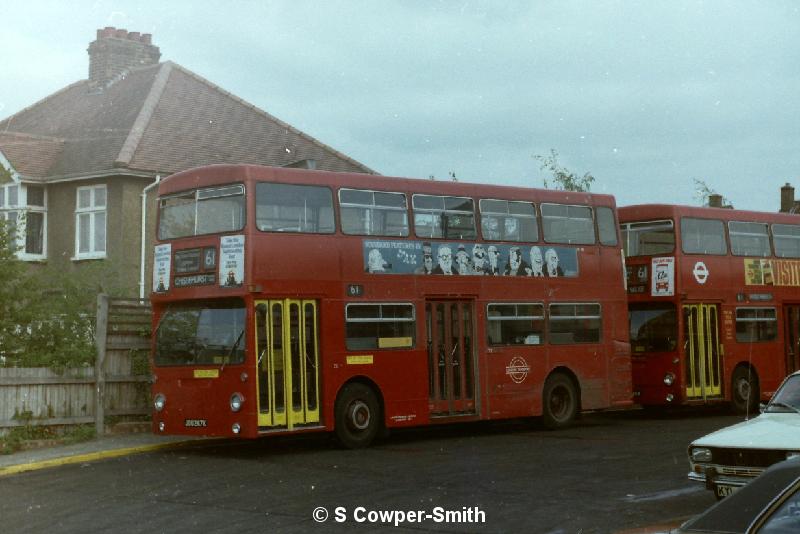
[117,387]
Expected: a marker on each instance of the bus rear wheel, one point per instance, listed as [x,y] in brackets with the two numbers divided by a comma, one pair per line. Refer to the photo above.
[559,402]
[358,416]
[744,390]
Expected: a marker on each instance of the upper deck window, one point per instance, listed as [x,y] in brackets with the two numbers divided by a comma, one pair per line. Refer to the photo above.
[563,223]
[508,220]
[703,236]
[294,208]
[202,211]
[749,239]
[373,213]
[649,238]
[786,238]
[446,217]
[606,226]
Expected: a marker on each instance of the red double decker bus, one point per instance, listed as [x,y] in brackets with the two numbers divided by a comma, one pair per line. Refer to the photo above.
[714,301]
[288,300]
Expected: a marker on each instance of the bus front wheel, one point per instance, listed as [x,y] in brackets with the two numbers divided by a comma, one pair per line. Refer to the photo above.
[358,416]
[560,402]
[744,390]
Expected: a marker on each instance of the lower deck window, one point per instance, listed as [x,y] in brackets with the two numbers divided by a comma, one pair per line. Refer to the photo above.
[379,326]
[516,324]
[574,323]
[756,324]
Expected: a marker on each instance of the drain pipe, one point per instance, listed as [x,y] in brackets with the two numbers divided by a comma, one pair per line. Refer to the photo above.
[144,227]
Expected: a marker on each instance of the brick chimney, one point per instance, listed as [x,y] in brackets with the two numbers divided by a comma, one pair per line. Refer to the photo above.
[115,52]
[787,198]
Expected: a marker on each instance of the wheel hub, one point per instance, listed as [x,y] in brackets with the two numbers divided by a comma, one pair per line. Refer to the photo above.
[358,415]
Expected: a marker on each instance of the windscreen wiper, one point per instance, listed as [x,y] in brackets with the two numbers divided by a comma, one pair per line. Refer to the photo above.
[233,349]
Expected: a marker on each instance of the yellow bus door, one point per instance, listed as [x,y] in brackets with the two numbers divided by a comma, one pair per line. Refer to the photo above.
[287,348]
[703,359]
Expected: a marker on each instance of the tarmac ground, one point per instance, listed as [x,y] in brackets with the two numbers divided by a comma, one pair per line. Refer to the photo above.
[118,445]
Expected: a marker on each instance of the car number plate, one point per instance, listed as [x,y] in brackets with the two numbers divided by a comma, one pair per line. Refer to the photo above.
[722,490]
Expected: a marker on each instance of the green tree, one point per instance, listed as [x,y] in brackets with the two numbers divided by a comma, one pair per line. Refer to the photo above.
[703,193]
[47,312]
[13,287]
[563,178]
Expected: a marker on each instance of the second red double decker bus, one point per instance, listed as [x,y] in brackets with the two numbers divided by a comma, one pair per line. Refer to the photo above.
[288,300]
[714,303]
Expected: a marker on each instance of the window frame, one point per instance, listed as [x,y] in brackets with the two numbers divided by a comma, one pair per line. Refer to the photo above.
[298,231]
[776,235]
[485,214]
[369,208]
[756,319]
[736,234]
[551,239]
[613,228]
[380,319]
[703,252]
[625,230]
[517,317]
[93,211]
[21,208]
[442,214]
[552,336]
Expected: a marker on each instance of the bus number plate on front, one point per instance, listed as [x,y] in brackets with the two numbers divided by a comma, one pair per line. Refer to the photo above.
[195,423]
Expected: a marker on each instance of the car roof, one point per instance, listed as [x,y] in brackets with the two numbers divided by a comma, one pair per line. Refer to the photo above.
[736,513]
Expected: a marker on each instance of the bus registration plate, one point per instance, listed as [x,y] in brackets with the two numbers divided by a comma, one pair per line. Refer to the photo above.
[195,423]
[723,490]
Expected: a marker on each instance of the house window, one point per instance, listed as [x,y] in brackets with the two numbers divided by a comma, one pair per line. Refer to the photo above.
[25,209]
[90,222]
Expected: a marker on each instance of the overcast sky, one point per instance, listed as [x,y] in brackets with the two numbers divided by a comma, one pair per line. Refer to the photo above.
[646,96]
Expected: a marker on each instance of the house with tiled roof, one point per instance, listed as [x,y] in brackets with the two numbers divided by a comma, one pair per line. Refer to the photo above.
[78,168]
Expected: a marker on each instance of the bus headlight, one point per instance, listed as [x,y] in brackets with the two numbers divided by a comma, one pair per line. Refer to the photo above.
[669,379]
[159,401]
[701,454]
[236,402]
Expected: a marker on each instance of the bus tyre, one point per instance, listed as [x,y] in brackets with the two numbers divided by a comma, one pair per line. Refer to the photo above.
[559,402]
[358,416]
[744,390]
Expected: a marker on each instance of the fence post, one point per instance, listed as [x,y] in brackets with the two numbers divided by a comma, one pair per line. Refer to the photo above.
[99,364]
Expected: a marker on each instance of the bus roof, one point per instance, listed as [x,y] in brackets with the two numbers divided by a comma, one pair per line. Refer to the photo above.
[651,212]
[212,175]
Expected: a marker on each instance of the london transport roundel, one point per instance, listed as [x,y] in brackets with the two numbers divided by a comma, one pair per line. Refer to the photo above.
[700,272]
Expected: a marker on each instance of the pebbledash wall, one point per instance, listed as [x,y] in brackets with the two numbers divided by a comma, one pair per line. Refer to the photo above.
[117,388]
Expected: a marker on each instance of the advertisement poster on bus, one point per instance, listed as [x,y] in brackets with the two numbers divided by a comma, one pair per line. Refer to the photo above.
[662,282]
[231,260]
[162,264]
[423,257]
[761,272]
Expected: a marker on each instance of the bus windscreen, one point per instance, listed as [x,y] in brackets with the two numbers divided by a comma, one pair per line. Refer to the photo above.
[202,334]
